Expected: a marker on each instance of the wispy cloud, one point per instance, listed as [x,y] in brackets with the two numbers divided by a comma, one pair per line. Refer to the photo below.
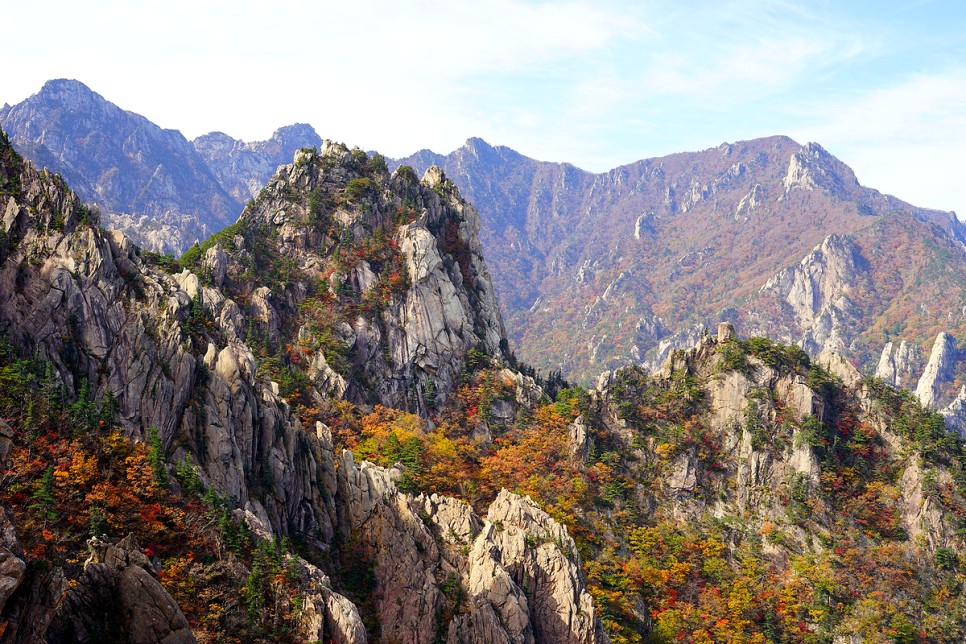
[908,139]
[924,108]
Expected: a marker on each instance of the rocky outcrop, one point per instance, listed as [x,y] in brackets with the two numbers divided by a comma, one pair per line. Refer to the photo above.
[327,615]
[682,340]
[118,599]
[514,576]
[12,567]
[580,440]
[939,370]
[816,293]
[417,339]
[841,368]
[922,514]
[898,365]
[83,281]
[955,413]
[813,168]
[539,557]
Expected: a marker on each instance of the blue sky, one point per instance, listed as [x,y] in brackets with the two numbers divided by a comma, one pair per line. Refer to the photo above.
[882,85]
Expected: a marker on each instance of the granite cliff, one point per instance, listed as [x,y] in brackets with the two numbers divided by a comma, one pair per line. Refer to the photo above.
[379,283]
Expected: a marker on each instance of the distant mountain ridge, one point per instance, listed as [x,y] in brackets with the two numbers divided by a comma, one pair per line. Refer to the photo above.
[243,168]
[594,271]
[600,270]
[152,183]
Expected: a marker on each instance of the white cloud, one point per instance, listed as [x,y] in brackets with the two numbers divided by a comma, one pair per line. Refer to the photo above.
[908,139]
[923,108]
[596,83]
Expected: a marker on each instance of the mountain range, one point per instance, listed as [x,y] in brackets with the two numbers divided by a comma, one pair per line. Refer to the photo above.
[162,190]
[601,270]
[593,271]
[310,427]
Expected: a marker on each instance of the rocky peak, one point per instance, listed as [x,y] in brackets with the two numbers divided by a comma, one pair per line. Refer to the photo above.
[71,95]
[897,365]
[297,135]
[813,167]
[477,145]
[517,566]
[215,144]
[816,292]
[244,168]
[482,152]
[939,370]
[401,255]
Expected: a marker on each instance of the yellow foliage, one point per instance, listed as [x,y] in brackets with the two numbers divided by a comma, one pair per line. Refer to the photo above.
[83,468]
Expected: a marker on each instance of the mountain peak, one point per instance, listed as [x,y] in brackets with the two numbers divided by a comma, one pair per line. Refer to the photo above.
[61,87]
[65,84]
[296,135]
[71,93]
[295,129]
[476,143]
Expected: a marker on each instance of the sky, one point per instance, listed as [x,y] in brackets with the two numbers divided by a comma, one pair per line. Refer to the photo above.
[879,84]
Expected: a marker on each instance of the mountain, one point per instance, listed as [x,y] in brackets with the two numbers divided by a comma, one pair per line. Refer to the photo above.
[309,427]
[145,179]
[595,270]
[156,186]
[243,168]
[339,283]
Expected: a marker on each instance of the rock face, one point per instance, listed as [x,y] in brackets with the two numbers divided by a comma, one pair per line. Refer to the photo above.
[146,181]
[73,280]
[243,168]
[423,330]
[955,413]
[117,599]
[816,293]
[326,615]
[515,572]
[936,383]
[898,365]
[813,168]
[939,370]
